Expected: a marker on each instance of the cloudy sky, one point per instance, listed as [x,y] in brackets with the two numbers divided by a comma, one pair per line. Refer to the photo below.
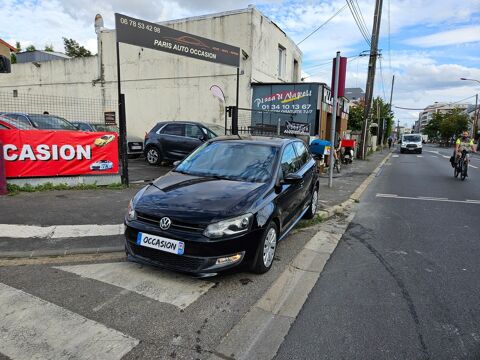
[428,45]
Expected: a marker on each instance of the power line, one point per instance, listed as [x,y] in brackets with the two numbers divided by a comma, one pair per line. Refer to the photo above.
[436,107]
[355,15]
[325,23]
[330,62]
[362,18]
[381,77]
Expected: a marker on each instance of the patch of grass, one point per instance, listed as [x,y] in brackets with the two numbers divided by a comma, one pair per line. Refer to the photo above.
[16,189]
[307,223]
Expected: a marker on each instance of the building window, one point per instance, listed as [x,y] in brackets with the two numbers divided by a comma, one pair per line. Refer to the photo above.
[295,71]
[15,93]
[282,54]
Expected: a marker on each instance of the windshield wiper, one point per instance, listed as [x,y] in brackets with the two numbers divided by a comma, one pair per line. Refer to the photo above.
[152,184]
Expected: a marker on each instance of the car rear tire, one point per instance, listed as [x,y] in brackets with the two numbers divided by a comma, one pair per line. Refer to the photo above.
[153,156]
[401,151]
[312,208]
[266,250]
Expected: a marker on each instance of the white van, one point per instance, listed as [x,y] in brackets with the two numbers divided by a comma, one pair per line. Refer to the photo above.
[411,143]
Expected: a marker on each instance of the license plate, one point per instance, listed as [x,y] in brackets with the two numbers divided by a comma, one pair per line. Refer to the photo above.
[138,147]
[161,243]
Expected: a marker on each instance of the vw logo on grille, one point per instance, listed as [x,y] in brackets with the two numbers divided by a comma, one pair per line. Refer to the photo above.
[165,223]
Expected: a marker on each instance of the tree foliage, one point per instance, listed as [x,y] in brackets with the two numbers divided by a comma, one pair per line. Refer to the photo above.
[355,117]
[30,48]
[49,47]
[444,126]
[381,115]
[73,49]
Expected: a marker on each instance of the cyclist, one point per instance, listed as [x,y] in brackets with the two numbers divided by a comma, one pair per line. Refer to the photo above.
[464,143]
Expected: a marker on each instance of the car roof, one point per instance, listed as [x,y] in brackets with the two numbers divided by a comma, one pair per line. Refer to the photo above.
[261,140]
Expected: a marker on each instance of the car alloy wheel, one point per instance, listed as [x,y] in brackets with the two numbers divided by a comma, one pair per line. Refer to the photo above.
[314,204]
[269,247]
[153,156]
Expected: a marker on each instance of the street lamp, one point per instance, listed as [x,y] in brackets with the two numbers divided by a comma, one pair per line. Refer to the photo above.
[470,80]
[475,111]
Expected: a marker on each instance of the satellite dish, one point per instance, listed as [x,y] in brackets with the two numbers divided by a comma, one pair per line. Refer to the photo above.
[217,92]
[98,23]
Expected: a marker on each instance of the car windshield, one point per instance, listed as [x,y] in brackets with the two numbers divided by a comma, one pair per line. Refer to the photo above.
[412,138]
[51,122]
[216,129]
[232,161]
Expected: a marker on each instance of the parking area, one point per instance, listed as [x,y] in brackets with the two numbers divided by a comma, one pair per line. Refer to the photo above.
[139,171]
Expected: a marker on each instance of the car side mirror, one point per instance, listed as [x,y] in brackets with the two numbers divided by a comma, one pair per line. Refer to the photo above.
[176,163]
[291,179]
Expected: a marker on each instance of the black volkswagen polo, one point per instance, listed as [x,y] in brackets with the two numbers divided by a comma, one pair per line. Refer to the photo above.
[228,203]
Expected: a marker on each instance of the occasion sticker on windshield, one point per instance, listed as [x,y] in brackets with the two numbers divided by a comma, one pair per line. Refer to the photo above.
[161,243]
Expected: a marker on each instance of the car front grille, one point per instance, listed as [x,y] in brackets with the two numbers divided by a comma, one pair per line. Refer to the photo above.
[178,262]
[411,146]
[177,225]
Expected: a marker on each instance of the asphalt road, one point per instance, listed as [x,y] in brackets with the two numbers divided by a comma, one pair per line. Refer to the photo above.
[404,281]
[111,309]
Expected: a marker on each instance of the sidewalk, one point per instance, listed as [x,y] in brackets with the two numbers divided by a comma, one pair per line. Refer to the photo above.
[55,223]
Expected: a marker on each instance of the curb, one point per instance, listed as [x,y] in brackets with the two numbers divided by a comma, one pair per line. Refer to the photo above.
[263,328]
[50,253]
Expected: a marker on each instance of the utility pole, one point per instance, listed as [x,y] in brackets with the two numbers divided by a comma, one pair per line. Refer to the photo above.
[475,118]
[333,124]
[391,96]
[398,130]
[371,73]
[378,123]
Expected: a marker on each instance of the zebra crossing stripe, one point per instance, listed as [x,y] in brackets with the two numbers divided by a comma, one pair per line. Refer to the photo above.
[163,286]
[32,328]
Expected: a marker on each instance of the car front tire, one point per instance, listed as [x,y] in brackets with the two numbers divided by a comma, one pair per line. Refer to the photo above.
[312,208]
[153,156]
[266,250]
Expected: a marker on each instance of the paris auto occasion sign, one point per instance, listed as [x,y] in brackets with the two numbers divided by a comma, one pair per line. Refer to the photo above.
[157,37]
[34,153]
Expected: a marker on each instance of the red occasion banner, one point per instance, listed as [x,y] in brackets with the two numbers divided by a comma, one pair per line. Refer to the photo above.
[33,153]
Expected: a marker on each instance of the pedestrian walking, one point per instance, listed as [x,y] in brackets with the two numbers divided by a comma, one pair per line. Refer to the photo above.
[390,140]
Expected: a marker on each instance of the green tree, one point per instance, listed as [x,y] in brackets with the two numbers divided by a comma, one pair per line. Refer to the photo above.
[49,47]
[355,117]
[381,110]
[30,48]
[453,123]
[13,56]
[432,129]
[73,49]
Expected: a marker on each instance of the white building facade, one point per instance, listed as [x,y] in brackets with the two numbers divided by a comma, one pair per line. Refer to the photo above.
[159,86]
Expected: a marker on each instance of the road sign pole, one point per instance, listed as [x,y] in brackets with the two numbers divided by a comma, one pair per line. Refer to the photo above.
[334,122]
[122,123]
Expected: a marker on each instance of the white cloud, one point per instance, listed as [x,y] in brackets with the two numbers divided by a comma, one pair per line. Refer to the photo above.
[451,37]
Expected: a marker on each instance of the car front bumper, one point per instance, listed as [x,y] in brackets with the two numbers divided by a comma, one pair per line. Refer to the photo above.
[200,254]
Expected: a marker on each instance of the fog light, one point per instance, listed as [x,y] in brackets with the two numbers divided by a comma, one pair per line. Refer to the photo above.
[229,259]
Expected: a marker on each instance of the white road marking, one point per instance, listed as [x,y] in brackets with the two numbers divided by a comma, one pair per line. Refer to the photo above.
[59,231]
[428,199]
[473,166]
[395,156]
[433,152]
[31,328]
[419,156]
[163,286]
[386,195]
[431,198]
[446,157]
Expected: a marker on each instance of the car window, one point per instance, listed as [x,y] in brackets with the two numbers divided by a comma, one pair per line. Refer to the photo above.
[289,160]
[51,122]
[3,127]
[20,118]
[302,154]
[174,129]
[193,131]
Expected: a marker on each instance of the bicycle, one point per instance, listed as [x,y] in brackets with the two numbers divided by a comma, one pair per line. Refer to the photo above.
[461,167]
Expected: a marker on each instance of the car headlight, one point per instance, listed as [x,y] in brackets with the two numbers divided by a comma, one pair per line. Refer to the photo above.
[234,226]
[131,214]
